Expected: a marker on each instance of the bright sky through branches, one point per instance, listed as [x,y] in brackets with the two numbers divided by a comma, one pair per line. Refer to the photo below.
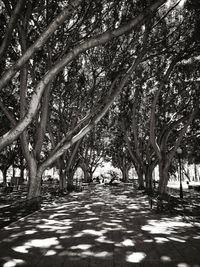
[182,3]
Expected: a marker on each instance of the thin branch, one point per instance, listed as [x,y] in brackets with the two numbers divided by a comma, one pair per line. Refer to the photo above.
[11,25]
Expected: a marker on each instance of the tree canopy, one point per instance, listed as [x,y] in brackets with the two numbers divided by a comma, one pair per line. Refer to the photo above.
[65,65]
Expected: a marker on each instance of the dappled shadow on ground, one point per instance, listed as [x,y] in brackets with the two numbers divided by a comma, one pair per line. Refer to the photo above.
[100,227]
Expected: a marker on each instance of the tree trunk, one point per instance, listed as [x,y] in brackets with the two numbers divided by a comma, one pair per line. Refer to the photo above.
[148,178]
[35,179]
[13,173]
[140,178]
[85,172]
[4,172]
[195,173]
[70,176]
[124,171]
[22,173]
[62,181]
[164,177]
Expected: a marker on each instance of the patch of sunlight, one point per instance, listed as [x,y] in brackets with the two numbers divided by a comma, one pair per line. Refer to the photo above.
[61,231]
[112,228]
[11,227]
[98,203]
[30,232]
[81,247]
[93,232]
[102,254]
[102,239]
[51,253]
[87,206]
[129,232]
[128,243]
[110,224]
[183,264]
[177,239]
[22,249]
[58,221]
[54,227]
[116,221]
[40,243]
[161,240]
[59,247]
[165,258]
[135,257]
[63,207]
[57,215]
[13,263]
[197,237]
[89,219]
[164,227]
[68,253]
[17,235]
[78,235]
[133,207]
[44,243]
[62,210]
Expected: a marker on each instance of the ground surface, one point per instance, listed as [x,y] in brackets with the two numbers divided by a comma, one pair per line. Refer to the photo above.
[101,227]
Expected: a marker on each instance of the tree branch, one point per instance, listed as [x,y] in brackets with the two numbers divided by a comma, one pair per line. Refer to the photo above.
[11,25]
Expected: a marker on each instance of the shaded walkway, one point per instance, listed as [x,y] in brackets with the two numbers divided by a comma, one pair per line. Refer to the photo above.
[100,227]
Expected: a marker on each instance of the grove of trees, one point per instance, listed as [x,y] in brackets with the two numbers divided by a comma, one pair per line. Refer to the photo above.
[73,72]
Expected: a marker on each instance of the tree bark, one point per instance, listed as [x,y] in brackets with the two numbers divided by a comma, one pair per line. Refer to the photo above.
[163,177]
[84,167]
[35,178]
[124,171]
[70,182]
[4,172]
[148,177]
[140,175]
[62,181]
